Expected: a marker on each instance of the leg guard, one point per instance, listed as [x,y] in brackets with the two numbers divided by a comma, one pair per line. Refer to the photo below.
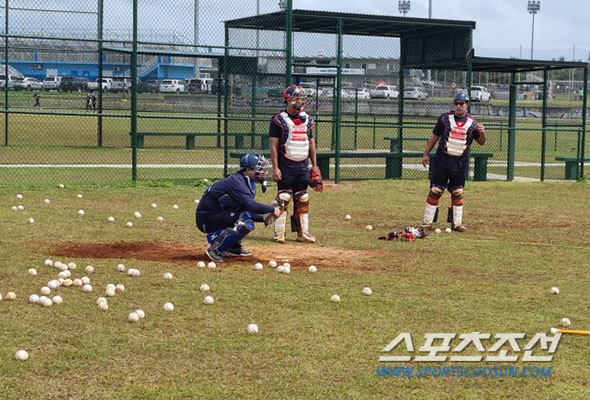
[300,220]
[457,200]
[431,209]
[280,224]
[223,239]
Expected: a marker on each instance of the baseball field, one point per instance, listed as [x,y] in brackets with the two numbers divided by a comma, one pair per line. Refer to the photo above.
[522,240]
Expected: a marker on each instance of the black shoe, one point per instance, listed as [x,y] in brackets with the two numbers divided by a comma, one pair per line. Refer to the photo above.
[214,255]
[237,251]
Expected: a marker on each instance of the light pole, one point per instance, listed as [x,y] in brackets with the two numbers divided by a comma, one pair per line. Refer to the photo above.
[403,6]
[533,7]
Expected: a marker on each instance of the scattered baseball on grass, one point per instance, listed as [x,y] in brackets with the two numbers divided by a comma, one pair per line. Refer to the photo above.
[111,219]
[272,264]
[72,266]
[565,322]
[175,206]
[103,306]
[287,265]
[33,299]
[369,227]
[258,267]
[89,269]
[209,300]
[0,296]
[160,219]
[77,282]
[140,314]
[252,329]
[110,286]
[32,271]
[21,355]
[367,291]
[280,269]
[46,201]
[129,224]
[133,317]
[286,269]
[14,208]
[81,212]
[10,296]
[437,230]
[57,299]
[53,284]
[85,280]
[554,290]
[109,292]
[211,265]
[31,220]
[20,207]
[79,196]
[19,196]
[67,282]
[200,264]
[137,214]
[335,298]
[448,230]
[313,269]
[204,288]
[61,186]
[47,302]
[87,288]
[168,275]
[101,300]
[45,290]
[197,201]
[348,217]
[120,287]
[154,205]
[168,307]
[121,268]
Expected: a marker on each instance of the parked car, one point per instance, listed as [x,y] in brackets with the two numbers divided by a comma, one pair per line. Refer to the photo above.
[199,85]
[384,92]
[415,93]
[32,84]
[172,86]
[52,83]
[150,86]
[18,83]
[73,84]
[309,87]
[363,94]
[3,81]
[106,84]
[479,93]
[119,86]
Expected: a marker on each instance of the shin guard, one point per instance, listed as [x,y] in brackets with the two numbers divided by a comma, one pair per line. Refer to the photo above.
[280,224]
[300,220]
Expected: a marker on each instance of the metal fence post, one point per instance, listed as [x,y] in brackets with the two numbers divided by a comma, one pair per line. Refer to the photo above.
[511,129]
[100,70]
[338,95]
[544,125]
[6,73]
[584,110]
[134,96]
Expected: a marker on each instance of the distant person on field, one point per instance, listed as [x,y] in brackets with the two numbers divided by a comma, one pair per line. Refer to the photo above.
[456,131]
[88,101]
[228,209]
[292,148]
[37,97]
[94,101]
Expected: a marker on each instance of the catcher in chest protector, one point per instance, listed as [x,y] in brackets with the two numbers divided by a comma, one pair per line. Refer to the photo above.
[292,148]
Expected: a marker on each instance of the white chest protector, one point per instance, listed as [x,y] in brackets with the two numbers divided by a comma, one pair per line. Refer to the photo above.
[297,142]
[457,142]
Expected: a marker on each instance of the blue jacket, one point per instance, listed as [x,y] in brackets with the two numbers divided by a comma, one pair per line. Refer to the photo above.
[236,193]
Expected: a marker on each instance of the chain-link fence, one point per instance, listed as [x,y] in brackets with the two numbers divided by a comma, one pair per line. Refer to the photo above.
[90,98]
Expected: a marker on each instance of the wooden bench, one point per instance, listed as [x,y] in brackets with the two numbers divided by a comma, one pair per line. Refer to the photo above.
[190,138]
[572,166]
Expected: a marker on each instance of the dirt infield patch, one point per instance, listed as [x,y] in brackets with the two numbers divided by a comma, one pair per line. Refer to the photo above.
[190,253]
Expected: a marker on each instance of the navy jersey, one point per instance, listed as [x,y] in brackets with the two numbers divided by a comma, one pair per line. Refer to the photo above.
[235,194]
[279,128]
[456,135]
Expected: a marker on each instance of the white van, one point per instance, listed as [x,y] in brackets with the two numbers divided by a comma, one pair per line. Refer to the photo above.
[172,86]
[11,79]
[52,83]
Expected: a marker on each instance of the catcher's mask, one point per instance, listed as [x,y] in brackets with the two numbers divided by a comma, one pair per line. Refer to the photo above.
[296,96]
[258,163]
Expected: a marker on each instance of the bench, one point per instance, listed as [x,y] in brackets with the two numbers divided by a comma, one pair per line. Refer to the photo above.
[190,138]
[572,166]
[394,142]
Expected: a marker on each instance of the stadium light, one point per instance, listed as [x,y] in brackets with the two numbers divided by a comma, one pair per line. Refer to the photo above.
[403,6]
[533,7]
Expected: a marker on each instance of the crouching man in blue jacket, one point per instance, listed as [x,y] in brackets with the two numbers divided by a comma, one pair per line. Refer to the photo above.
[228,209]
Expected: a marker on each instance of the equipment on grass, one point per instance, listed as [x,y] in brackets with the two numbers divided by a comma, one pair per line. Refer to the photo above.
[409,234]
[570,331]
[280,224]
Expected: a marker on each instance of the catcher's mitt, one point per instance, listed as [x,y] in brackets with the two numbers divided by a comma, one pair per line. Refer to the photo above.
[315,179]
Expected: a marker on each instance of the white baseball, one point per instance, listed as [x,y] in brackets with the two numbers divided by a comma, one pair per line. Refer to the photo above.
[87,288]
[81,212]
[109,292]
[33,298]
[437,230]
[258,266]
[89,269]
[369,227]
[121,268]
[168,275]
[160,219]
[57,299]
[554,290]
[110,286]
[67,282]
[120,287]
[45,290]
[47,302]
[21,355]
[140,313]
[175,206]
[14,208]
[77,282]
[154,205]
[553,331]
[348,217]
[448,230]
[252,329]
[137,214]
[20,207]
[85,280]
[313,269]
[335,298]
[48,263]
[200,264]
[19,196]
[129,224]
[197,201]
[10,296]
[168,307]
[72,266]
[32,271]
[280,269]
[211,265]
[53,284]
[111,219]
[272,264]
[565,322]
[367,291]
[101,300]
[79,196]
[61,186]
[103,306]
[204,288]
[31,220]
[133,317]
[287,265]
[46,201]
[286,270]
[209,300]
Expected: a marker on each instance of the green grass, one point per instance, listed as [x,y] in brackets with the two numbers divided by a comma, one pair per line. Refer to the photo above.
[493,278]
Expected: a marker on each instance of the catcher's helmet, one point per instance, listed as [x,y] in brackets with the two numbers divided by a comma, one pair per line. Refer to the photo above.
[461,96]
[295,95]
[258,163]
